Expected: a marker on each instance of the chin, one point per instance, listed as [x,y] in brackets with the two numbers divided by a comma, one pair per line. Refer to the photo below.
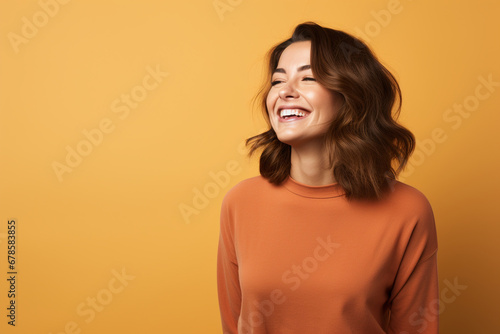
[287,140]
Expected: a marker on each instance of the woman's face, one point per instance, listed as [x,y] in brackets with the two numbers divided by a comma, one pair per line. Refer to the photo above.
[293,90]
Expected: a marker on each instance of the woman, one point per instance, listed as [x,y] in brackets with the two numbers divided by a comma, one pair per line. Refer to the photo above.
[326,240]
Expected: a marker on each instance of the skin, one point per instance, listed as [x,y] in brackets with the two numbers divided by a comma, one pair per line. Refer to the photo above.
[305,136]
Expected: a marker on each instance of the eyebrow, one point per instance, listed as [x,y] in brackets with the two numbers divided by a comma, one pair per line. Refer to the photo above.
[301,68]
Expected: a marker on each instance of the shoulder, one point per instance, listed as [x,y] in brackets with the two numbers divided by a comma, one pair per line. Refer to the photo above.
[415,211]
[408,198]
[418,222]
[410,208]
[246,188]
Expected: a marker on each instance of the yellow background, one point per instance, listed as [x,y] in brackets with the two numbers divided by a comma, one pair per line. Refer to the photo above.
[120,207]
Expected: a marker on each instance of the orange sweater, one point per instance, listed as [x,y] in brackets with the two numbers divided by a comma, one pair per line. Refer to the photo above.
[302,259]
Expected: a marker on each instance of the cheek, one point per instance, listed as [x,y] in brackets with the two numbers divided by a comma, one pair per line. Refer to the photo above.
[270,101]
[329,103]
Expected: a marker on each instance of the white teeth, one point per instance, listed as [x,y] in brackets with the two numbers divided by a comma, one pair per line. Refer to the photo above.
[289,112]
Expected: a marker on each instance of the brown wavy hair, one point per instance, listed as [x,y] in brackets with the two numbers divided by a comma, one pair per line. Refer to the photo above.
[364,140]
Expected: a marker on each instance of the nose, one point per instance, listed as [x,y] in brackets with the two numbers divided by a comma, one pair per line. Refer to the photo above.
[288,91]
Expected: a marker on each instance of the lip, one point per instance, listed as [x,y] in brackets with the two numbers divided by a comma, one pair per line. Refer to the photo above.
[292,106]
[293,119]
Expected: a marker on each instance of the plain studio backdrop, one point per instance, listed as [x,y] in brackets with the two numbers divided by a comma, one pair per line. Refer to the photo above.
[121,129]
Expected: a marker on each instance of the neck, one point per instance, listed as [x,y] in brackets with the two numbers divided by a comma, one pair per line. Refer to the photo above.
[310,165]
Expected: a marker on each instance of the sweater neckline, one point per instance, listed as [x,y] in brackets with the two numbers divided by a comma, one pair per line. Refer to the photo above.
[304,190]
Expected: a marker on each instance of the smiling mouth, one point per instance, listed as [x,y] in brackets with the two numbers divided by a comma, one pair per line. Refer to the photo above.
[289,115]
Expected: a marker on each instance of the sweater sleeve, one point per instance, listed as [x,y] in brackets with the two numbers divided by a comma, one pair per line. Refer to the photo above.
[228,284]
[414,300]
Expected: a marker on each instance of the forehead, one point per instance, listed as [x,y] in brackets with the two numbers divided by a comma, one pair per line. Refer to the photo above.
[296,54]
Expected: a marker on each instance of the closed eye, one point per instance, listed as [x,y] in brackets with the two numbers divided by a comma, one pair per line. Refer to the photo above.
[275,82]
